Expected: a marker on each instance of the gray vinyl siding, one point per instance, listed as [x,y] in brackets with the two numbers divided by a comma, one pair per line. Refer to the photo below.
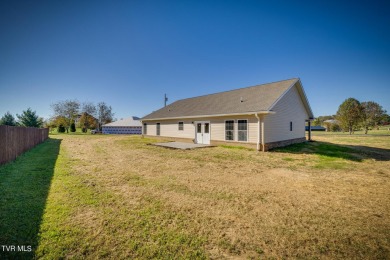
[122,130]
[288,109]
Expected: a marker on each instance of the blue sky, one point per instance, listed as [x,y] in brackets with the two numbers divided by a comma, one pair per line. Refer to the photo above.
[129,53]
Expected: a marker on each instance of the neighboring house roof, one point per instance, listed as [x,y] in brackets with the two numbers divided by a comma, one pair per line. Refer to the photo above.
[255,99]
[78,117]
[331,121]
[315,128]
[130,121]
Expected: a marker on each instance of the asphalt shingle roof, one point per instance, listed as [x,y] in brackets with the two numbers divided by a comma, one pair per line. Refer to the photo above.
[250,99]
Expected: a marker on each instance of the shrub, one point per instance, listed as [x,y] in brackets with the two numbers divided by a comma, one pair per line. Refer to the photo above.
[73,127]
[61,129]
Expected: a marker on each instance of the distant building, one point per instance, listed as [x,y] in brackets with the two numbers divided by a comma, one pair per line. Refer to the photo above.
[131,125]
[332,125]
[315,128]
[332,121]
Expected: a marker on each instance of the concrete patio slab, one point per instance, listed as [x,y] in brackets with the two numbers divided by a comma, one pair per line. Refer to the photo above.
[182,146]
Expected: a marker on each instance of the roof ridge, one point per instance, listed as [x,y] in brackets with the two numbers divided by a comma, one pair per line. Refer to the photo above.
[234,90]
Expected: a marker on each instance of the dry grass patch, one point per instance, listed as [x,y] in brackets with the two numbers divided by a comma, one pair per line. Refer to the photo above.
[117,197]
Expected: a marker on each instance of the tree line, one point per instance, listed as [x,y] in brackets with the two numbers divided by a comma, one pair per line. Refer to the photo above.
[354,115]
[87,115]
[27,118]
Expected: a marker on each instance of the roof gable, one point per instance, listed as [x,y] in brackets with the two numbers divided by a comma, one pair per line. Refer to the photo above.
[239,101]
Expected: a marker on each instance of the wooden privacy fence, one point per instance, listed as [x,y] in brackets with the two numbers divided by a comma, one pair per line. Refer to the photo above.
[15,140]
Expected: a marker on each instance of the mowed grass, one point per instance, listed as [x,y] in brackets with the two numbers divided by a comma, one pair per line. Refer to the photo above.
[120,197]
[24,187]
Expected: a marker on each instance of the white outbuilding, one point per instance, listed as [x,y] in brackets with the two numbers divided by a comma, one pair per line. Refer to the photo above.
[131,125]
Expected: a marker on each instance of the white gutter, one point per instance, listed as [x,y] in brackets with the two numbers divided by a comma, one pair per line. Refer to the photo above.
[217,115]
[258,131]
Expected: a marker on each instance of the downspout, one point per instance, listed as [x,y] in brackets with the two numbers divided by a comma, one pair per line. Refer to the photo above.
[142,129]
[258,131]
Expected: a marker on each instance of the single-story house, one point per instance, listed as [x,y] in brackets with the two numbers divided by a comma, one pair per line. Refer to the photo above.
[268,116]
[131,125]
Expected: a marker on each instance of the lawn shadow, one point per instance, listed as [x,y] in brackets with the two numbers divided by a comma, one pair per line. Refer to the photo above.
[24,187]
[348,152]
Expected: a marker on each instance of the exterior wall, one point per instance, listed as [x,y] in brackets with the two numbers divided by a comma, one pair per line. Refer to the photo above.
[169,128]
[135,130]
[273,145]
[290,108]
[218,128]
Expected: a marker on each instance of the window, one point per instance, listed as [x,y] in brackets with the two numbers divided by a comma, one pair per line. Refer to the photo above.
[243,130]
[181,126]
[158,129]
[145,129]
[229,130]
[199,128]
[206,128]
[290,126]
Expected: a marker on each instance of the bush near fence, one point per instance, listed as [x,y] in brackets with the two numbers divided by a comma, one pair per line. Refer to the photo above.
[15,140]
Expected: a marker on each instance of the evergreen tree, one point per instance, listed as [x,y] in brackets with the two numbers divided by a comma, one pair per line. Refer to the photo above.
[61,129]
[8,119]
[29,118]
[73,127]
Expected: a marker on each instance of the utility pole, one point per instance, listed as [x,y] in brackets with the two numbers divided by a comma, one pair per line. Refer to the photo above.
[165,100]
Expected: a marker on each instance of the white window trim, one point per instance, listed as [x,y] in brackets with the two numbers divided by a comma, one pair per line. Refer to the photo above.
[145,129]
[159,129]
[247,130]
[178,126]
[234,130]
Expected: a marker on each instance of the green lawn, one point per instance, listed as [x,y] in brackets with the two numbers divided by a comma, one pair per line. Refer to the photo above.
[108,196]
[383,130]
[24,188]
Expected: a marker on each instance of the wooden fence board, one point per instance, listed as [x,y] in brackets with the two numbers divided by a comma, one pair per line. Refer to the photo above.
[15,140]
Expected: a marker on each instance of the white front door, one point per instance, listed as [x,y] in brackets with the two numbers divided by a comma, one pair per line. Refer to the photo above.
[202,130]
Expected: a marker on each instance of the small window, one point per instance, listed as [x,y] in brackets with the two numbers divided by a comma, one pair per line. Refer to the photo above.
[181,126]
[199,128]
[242,130]
[290,126]
[145,129]
[229,130]
[158,129]
[206,128]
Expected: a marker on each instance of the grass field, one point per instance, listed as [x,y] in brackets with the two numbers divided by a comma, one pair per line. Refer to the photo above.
[98,196]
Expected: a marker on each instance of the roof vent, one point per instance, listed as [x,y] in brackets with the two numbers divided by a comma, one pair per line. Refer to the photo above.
[241,100]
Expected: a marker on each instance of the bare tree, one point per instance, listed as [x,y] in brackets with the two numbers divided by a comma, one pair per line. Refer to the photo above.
[104,113]
[88,116]
[68,110]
